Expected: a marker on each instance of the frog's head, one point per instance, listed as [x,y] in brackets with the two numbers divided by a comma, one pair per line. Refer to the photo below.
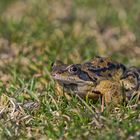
[69,73]
[72,77]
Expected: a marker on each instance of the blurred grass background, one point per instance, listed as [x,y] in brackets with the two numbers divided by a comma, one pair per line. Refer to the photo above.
[32,35]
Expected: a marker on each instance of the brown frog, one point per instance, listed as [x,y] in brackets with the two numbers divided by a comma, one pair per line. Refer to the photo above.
[99,76]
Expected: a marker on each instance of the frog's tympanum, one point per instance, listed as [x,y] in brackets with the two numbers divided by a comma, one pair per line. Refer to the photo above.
[100,76]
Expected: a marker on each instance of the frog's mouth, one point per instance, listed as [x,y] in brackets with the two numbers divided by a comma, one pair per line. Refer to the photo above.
[70,80]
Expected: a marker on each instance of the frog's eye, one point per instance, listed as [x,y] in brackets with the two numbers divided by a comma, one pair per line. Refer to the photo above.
[73,69]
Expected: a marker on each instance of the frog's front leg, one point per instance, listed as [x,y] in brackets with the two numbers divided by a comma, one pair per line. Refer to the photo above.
[110,92]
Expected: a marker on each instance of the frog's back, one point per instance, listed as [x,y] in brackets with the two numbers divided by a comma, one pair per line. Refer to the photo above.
[104,68]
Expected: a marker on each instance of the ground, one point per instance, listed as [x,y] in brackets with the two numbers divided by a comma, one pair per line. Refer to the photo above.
[35,33]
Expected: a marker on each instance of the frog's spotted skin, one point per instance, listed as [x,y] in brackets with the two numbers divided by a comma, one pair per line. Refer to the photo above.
[110,91]
[100,76]
[130,80]
[107,74]
[101,68]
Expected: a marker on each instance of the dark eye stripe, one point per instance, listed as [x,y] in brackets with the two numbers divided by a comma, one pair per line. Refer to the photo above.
[84,76]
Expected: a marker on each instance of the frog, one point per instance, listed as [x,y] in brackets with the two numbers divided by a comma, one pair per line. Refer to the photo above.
[107,74]
[99,77]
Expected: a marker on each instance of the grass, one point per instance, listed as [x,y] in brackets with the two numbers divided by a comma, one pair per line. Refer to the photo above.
[35,33]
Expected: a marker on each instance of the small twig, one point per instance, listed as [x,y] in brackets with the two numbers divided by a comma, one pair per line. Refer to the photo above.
[2,110]
[14,107]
